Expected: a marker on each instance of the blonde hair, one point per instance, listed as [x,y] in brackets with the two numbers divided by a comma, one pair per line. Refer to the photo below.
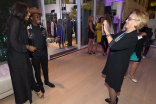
[141,16]
[108,18]
[90,17]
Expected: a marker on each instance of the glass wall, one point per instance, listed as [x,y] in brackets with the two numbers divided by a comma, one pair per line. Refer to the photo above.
[46,2]
[99,8]
[70,1]
[87,10]
[85,1]
[140,2]
[61,22]
[135,0]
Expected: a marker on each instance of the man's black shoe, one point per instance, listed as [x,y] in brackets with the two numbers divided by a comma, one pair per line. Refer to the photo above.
[50,85]
[42,89]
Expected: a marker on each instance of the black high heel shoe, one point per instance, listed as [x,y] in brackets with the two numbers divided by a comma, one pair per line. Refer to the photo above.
[93,52]
[104,54]
[108,101]
[89,53]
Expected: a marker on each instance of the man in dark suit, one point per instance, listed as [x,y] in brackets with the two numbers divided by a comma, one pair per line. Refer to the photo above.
[69,31]
[37,38]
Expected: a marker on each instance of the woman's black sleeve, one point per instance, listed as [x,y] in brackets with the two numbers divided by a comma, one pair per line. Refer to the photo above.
[13,36]
[124,43]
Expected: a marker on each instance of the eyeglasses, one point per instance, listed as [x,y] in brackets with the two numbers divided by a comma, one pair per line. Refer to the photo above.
[129,18]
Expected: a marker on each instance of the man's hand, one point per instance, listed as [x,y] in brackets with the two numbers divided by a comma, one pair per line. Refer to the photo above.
[32,48]
[57,38]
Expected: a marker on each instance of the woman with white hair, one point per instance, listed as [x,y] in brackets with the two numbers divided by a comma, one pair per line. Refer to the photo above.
[121,46]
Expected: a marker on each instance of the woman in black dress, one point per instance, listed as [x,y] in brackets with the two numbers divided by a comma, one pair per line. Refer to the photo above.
[17,54]
[91,34]
[121,46]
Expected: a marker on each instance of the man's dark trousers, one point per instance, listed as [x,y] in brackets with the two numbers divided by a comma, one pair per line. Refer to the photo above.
[40,58]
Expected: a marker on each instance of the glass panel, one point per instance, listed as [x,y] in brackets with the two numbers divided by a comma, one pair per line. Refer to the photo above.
[99,8]
[70,1]
[63,28]
[143,1]
[85,1]
[153,3]
[46,2]
[140,2]
[87,10]
[135,0]
[50,17]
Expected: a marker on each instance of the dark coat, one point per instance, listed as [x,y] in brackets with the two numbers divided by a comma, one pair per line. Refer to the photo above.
[118,59]
[31,39]
[18,61]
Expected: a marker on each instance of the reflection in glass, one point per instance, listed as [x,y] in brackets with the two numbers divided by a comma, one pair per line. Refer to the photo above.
[135,0]
[70,1]
[87,10]
[140,2]
[46,2]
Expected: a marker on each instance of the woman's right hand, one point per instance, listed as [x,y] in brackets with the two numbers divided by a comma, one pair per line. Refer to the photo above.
[95,32]
[32,48]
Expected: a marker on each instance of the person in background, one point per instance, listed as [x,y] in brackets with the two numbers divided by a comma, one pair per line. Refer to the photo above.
[60,33]
[75,29]
[104,39]
[91,34]
[53,27]
[121,46]
[17,54]
[69,31]
[96,21]
[99,32]
[48,29]
[151,24]
[37,37]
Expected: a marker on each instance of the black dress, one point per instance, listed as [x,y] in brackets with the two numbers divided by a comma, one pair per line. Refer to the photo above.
[19,63]
[91,35]
[118,59]
[136,55]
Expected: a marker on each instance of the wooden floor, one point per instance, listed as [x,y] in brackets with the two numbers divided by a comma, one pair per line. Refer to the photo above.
[78,80]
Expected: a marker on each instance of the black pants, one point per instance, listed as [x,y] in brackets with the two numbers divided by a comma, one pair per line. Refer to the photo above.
[76,36]
[147,48]
[41,59]
[32,79]
[104,39]
[33,82]
[69,36]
